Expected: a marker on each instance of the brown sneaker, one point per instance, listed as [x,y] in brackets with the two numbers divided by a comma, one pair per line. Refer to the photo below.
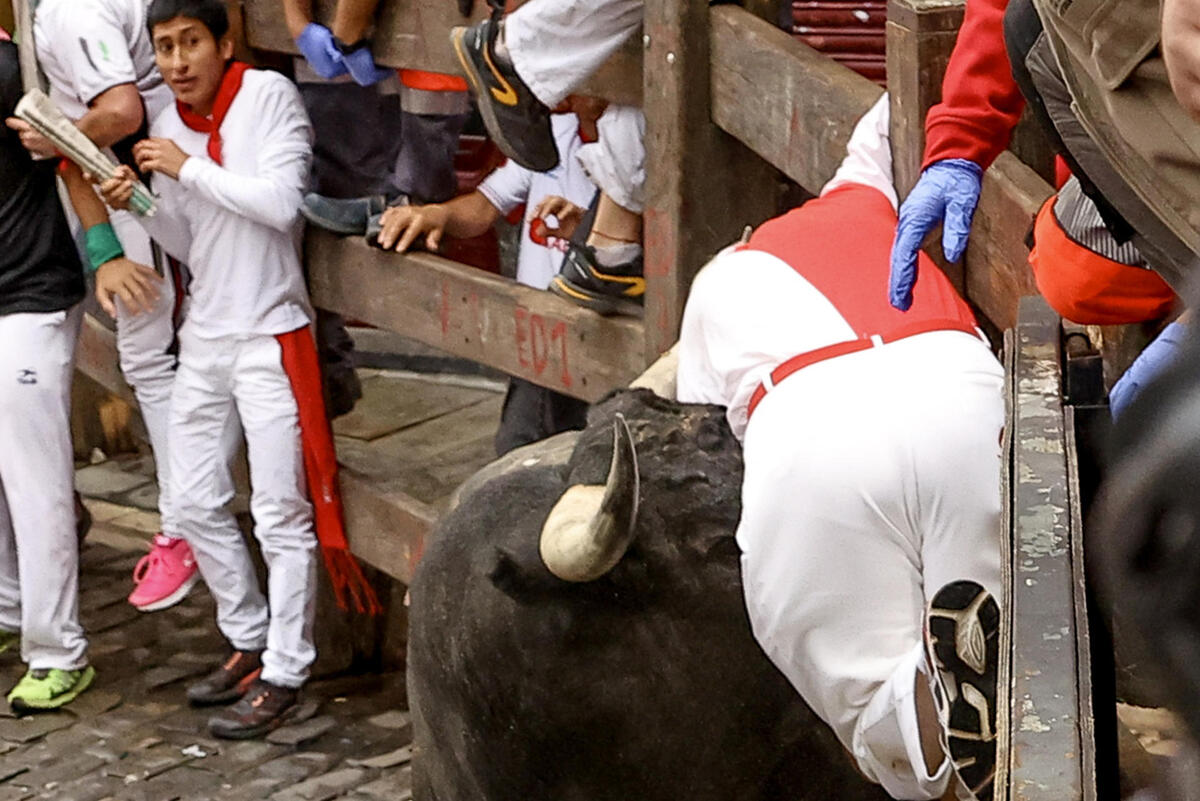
[229,682]
[263,708]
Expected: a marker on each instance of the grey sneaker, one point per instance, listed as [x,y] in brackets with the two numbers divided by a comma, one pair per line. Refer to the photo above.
[347,217]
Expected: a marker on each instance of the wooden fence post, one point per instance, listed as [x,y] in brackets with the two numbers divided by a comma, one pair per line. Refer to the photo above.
[703,185]
[920,38]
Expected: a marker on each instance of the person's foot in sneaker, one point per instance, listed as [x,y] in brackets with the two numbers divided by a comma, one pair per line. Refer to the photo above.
[518,122]
[616,289]
[964,636]
[263,708]
[228,682]
[41,689]
[342,216]
[165,576]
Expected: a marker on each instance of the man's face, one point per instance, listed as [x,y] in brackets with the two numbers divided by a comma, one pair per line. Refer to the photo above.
[191,61]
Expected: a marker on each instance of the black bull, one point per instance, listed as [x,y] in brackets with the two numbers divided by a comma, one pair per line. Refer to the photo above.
[644,685]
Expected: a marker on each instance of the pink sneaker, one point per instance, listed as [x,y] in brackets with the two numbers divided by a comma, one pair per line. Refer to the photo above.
[164,576]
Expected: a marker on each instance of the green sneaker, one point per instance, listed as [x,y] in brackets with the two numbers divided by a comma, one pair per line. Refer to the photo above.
[49,688]
[9,640]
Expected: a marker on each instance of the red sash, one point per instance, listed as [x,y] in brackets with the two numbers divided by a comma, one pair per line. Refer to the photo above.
[320,467]
[231,83]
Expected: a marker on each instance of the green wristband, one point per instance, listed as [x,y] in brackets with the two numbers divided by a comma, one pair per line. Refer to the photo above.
[102,245]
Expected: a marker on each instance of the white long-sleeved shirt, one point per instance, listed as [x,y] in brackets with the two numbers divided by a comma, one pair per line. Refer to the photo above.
[237,225]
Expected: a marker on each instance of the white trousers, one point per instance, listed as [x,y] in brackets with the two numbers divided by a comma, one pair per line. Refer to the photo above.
[243,375]
[871,481]
[555,45]
[616,161]
[39,553]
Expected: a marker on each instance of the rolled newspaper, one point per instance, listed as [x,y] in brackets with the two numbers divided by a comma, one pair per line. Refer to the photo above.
[39,111]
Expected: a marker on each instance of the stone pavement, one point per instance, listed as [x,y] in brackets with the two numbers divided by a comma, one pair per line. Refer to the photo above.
[132,736]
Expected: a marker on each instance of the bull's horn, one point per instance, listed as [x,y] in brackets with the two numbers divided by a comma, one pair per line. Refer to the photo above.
[591,526]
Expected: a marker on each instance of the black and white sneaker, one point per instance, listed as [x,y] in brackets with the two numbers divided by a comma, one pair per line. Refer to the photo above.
[964,638]
[518,122]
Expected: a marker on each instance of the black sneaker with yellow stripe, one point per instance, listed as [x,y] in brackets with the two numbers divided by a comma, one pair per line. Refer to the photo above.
[607,290]
[518,122]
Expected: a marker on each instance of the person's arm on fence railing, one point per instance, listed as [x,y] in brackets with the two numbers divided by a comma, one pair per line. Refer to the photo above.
[964,134]
[464,217]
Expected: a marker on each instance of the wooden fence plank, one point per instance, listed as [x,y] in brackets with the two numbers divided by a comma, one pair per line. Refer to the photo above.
[467,312]
[96,357]
[386,529]
[416,34]
[790,104]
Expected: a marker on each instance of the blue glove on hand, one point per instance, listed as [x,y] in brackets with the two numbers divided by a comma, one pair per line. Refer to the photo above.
[1151,363]
[316,45]
[362,67]
[947,193]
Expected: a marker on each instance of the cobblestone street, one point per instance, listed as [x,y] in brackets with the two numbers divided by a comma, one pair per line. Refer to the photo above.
[133,737]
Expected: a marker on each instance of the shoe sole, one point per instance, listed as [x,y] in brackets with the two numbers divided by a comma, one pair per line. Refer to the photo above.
[483,100]
[85,681]
[284,718]
[324,223]
[601,304]
[175,597]
[229,696]
[964,632]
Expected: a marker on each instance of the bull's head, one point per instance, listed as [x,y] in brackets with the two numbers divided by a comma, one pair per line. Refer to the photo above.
[592,525]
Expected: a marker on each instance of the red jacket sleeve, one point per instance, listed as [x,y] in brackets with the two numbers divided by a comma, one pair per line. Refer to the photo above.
[980,100]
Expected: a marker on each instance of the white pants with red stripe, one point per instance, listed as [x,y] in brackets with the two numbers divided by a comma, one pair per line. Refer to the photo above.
[244,375]
[39,553]
[556,45]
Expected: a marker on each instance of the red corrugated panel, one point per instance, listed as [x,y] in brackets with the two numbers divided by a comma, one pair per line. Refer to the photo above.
[850,32]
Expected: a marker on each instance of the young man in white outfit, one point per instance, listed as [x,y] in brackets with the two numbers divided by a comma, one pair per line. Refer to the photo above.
[230,160]
[41,284]
[98,58]
[870,530]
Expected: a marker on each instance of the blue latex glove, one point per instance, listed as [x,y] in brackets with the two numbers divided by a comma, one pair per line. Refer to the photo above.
[1151,363]
[362,67]
[946,193]
[316,45]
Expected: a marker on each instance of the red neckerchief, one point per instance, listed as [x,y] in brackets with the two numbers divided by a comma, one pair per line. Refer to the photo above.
[231,83]
[4,37]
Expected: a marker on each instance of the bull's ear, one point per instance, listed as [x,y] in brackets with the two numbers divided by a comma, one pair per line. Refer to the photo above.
[591,526]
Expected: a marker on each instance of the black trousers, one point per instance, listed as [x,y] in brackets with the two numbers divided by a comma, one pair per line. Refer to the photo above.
[532,412]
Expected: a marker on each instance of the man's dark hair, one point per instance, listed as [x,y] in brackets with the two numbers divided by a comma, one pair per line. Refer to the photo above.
[211,13]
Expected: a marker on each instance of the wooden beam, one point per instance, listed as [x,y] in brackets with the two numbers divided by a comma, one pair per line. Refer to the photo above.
[96,357]
[386,529]
[997,260]
[790,104]
[467,312]
[416,34]
[706,186]
[920,38]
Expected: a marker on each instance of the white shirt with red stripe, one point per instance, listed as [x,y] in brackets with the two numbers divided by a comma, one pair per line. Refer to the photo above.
[237,225]
[814,277]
